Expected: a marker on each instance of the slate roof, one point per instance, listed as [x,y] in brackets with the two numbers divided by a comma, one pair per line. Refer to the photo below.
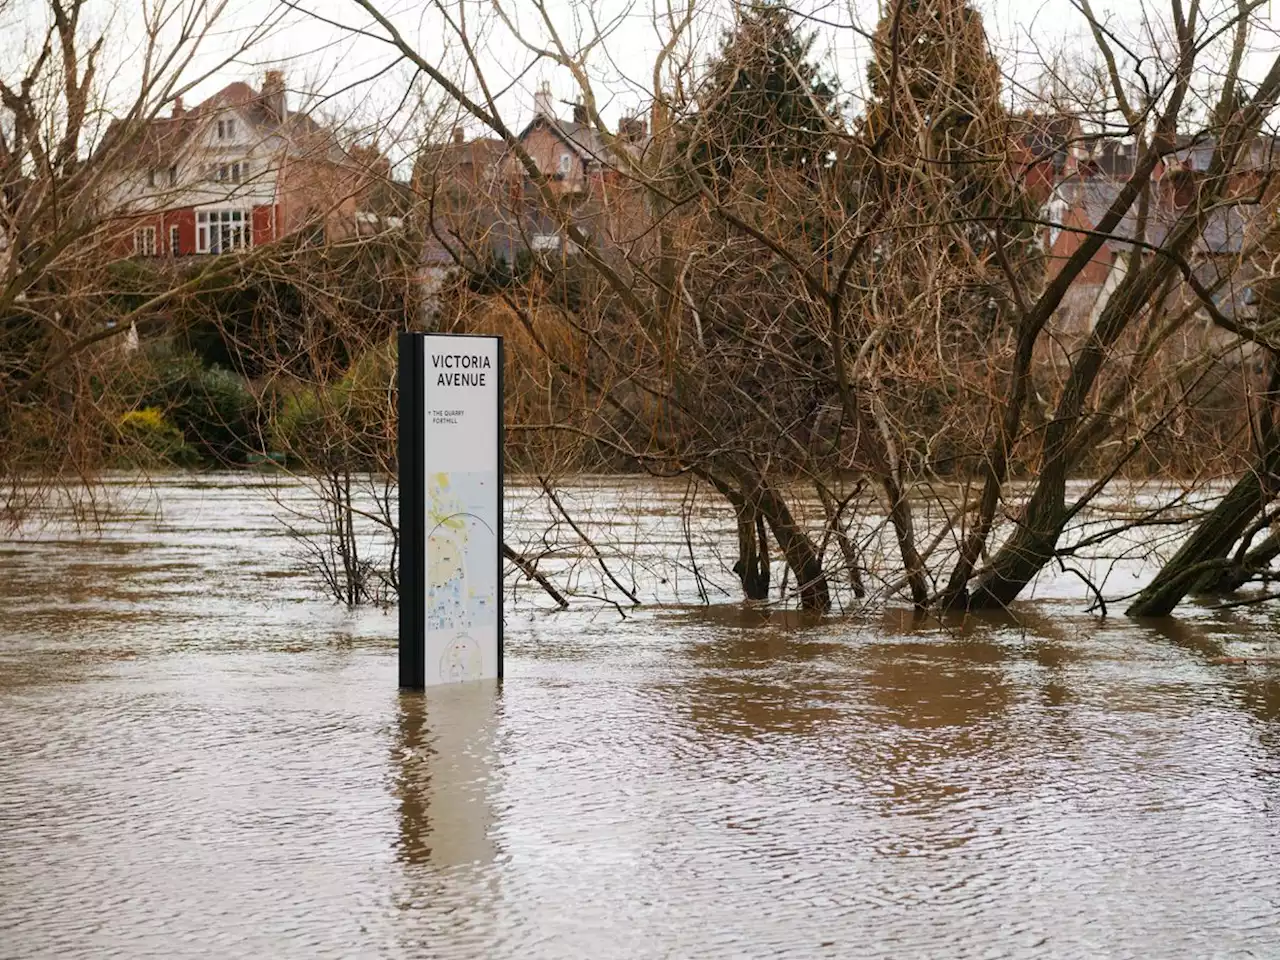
[582,138]
[1046,137]
[475,160]
[1113,158]
[158,144]
[257,109]
[1224,232]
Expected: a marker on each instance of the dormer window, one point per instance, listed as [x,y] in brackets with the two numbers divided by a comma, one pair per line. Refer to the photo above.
[226,129]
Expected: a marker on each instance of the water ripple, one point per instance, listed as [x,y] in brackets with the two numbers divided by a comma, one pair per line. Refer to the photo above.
[200,761]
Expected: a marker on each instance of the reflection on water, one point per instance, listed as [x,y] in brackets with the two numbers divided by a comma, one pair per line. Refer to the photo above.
[200,761]
[444,754]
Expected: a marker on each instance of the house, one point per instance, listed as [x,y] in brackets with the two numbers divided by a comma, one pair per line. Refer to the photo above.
[238,171]
[573,154]
[1046,149]
[1079,203]
[484,203]
[459,172]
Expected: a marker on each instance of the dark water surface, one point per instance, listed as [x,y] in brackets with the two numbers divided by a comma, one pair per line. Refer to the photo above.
[199,759]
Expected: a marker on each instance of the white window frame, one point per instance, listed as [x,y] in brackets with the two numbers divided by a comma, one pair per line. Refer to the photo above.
[144,241]
[236,171]
[223,230]
[175,240]
[566,164]
[227,128]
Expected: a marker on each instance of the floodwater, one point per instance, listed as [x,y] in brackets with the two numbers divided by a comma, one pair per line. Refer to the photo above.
[201,758]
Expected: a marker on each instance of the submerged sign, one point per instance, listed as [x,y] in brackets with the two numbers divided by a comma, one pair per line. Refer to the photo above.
[450,509]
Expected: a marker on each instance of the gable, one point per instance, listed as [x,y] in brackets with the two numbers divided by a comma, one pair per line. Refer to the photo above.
[557,132]
[225,129]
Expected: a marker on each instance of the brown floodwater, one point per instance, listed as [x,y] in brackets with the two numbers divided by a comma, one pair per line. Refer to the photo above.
[203,758]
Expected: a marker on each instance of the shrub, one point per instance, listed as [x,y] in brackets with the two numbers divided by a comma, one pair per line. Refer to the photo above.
[350,422]
[147,438]
[212,407]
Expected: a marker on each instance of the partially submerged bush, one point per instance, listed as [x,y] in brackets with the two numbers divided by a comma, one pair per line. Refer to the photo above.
[350,422]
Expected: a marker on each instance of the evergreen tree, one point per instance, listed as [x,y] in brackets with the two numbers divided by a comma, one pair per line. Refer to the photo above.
[935,152]
[764,103]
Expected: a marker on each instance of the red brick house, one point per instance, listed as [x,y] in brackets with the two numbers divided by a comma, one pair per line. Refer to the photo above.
[238,171]
[1046,149]
[480,193]
[573,153]
[1079,202]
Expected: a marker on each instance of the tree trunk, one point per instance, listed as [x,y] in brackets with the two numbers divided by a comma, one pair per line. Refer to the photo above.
[1211,541]
[752,567]
[1238,574]
[1025,553]
[1200,563]
[800,553]
[1032,546]
[848,549]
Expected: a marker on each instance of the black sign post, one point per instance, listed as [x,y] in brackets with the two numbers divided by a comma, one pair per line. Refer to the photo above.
[413,501]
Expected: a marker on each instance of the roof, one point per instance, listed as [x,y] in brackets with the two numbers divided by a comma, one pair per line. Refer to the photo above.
[157,145]
[483,151]
[583,138]
[1045,135]
[1114,158]
[255,107]
[1195,152]
[1224,231]
[472,158]
[389,198]
[163,138]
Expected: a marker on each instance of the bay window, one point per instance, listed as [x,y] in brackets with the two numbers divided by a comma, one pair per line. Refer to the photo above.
[221,231]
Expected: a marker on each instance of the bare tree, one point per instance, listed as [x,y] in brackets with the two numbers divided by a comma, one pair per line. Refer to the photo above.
[76,99]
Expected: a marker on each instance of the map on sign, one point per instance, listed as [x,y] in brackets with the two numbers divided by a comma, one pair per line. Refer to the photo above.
[462,555]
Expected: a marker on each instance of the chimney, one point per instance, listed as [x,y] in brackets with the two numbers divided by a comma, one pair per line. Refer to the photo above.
[273,94]
[633,129]
[580,114]
[542,102]
[459,137]
[177,106]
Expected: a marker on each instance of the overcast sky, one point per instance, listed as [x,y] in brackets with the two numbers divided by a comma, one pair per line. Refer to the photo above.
[321,45]
[330,57]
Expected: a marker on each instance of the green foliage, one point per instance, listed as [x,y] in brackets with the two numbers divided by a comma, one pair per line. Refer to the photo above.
[764,102]
[345,424]
[147,438]
[299,424]
[212,407]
